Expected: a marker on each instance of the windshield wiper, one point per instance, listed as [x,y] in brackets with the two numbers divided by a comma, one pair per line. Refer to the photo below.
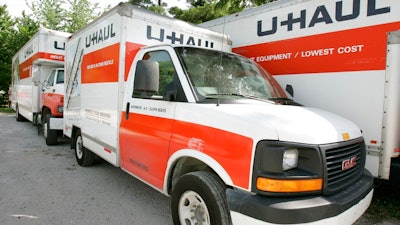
[241,95]
[232,94]
[284,101]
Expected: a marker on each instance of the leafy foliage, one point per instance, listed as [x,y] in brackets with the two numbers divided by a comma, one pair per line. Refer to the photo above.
[14,33]
[64,15]
[205,10]
[150,5]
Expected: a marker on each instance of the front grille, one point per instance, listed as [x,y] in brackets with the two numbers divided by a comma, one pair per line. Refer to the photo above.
[344,164]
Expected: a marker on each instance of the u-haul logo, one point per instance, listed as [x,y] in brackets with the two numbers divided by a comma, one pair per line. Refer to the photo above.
[176,38]
[100,35]
[321,14]
[349,163]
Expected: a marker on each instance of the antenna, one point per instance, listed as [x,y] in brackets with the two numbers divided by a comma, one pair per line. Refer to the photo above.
[223,34]
[221,54]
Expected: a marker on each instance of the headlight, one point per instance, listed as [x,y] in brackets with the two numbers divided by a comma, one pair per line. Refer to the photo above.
[290,159]
[285,167]
[60,109]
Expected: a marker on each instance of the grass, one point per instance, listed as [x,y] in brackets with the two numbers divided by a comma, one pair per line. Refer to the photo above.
[6,110]
[386,200]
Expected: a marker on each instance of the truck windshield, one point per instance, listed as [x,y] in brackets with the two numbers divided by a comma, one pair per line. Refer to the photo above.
[215,74]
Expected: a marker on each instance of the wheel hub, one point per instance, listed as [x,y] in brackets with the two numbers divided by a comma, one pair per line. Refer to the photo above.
[193,210]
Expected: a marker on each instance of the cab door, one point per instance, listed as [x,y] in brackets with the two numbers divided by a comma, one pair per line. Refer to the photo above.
[53,92]
[146,124]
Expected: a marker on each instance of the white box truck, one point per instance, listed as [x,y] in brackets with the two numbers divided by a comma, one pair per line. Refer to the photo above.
[170,104]
[341,56]
[37,86]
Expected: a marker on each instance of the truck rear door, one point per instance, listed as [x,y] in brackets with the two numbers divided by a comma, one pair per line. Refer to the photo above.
[391,119]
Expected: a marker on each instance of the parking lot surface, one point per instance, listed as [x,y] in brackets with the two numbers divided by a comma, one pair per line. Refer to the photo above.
[40,184]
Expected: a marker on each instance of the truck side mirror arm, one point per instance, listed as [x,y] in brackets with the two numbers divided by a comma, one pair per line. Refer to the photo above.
[289,89]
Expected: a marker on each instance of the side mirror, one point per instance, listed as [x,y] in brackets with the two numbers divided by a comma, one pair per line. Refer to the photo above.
[36,75]
[146,76]
[289,89]
[36,80]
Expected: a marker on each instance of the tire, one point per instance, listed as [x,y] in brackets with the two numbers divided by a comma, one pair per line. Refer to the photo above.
[83,156]
[18,116]
[49,134]
[199,198]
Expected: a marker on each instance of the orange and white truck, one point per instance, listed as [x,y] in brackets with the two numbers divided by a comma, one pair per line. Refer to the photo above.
[171,105]
[37,85]
[340,56]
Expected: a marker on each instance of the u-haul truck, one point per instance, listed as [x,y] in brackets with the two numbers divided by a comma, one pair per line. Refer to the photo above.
[170,104]
[341,56]
[37,84]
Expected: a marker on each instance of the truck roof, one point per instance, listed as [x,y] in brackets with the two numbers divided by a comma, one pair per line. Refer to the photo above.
[129,10]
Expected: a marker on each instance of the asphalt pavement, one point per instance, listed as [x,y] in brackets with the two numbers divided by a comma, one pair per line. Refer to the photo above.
[44,185]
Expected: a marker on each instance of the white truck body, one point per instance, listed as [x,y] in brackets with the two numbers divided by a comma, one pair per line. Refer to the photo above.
[341,56]
[152,95]
[37,87]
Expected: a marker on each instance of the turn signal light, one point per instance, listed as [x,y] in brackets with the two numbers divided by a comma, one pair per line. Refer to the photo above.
[274,185]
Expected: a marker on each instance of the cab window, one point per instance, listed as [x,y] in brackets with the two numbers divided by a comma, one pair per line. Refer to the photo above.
[50,79]
[60,77]
[168,80]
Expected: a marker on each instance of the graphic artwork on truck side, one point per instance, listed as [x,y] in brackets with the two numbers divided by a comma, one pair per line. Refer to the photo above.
[178,38]
[320,15]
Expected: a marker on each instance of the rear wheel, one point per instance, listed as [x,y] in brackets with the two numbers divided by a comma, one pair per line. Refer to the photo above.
[18,116]
[83,156]
[49,134]
[199,198]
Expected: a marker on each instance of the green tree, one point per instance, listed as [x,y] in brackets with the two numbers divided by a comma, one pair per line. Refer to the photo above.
[233,6]
[64,15]
[205,10]
[14,33]
[49,13]
[197,14]
[80,13]
[6,25]
[155,6]
[24,29]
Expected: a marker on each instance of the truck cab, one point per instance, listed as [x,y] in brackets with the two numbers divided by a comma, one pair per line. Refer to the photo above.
[52,105]
[194,114]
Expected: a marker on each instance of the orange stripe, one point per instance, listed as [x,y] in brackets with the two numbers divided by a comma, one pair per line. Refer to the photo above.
[131,51]
[26,67]
[146,143]
[101,65]
[324,52]
[232,151]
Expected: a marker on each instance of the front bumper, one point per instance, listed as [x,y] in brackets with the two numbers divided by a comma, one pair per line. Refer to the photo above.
[344,207]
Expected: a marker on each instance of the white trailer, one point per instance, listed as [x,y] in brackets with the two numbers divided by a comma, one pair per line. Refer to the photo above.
[37,86]
[341,56]
[170,104]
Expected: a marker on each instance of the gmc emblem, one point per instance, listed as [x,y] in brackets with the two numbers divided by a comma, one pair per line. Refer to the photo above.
[349,163]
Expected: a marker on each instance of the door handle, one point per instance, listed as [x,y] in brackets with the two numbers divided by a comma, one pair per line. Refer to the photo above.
[128,106]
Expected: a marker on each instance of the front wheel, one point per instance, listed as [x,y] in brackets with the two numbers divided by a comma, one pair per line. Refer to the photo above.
[83,156]
[49,134]
[199,198]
